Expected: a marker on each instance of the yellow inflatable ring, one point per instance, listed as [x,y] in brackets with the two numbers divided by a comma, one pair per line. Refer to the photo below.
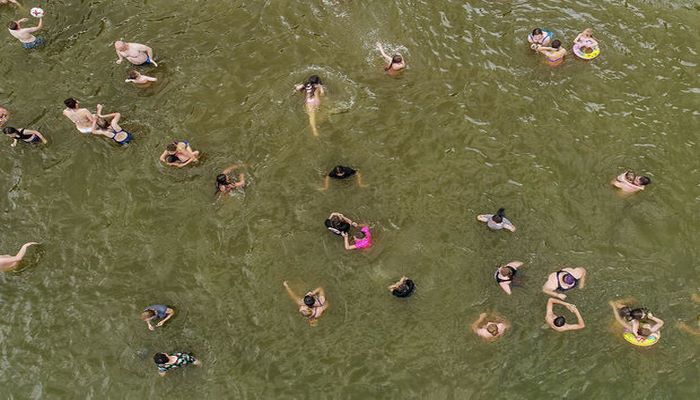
[584,52]
[648,341]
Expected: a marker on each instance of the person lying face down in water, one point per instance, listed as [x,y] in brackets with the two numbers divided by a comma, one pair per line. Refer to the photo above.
[340,172]
[313,90]
[489,330]
[110,129]
[554,55]
[563,280]
[403,288]
[497,221]
[312,305]
[179,154]
[628,182]
[395,63]
[504,275]
[636,320]
[558,323]
[362,238]
[8,262]
[226,184]
[25,135]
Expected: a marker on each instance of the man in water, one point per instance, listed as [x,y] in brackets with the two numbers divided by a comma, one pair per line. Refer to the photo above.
[24,35]
[135,53]
[81,117]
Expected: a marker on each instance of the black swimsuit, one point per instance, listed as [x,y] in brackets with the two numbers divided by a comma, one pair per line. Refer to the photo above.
[347,172]
[404,290]
[561,289]
[499,279]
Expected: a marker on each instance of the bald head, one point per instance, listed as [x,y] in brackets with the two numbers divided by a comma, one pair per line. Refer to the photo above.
[120,46]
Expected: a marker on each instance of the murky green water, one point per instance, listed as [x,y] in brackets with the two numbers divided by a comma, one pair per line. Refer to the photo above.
[477,122]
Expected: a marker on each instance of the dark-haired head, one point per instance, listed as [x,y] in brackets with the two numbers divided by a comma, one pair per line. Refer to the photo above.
[559,321]
[172,159]
[643,332]
[339,170]
[492,328]
[639,313]
[10,131]
[624,312]
[171,147]
[396,59]
[536,31]
[644,180]
[161,358]
[359,235]
[314,80]
[133,74]
[309,300]
[222,179]
[102,123]
[13,25]
[556,44]
[70,102]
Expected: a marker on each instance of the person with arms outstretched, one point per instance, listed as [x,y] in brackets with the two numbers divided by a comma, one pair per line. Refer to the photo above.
[8,262]
[558,322]
[25,35]
[395,63]
[312,305]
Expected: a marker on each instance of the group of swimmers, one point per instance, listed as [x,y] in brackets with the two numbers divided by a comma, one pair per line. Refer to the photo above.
[584,46]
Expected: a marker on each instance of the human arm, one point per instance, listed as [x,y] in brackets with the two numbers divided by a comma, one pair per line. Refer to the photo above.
[684,327]
[119,54]
[616,305]
[475,325]
[483,217]
[36,28]
[359,180]
[230,169]
[582,279]
[346,241]
[326,182]
[381,50]
[168,314]
[162,157]
[14,142]
[37,134]
[508,225]
[505,286]
[551,283]
[298,300]
[658,323]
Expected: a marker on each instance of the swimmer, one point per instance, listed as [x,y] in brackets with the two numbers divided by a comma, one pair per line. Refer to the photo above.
[135,53]
[558,323]
[497,221]
[563,280]
[585,38]
[4,116]
[156,311]
[362,239]
[490,330]
[179,154]
[8,262]
[504,275]
[138,79]
[313,90]
[539,37]
[403,288]
[166,362]
[340,172]
[395,64]
[81,117]
[110,129]
[312,305]
[338,223]
[628,182]
[636,320]
[684,327]
[24,35]
[554,55]
[25,135]
[225,184]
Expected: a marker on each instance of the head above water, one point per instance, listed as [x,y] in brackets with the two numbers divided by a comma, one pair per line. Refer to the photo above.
[172,147]
[492,328]
[309,300]
[339,170]
[559,322]
[313,80]
[556,44]
[120,45]
[396,59]
[13,26]
[10,131]
[644,180]
[499,215]
[536,31]
[161,358]
[359,235]
[222,179]
[505,271]
[133,74]
[588,32]
[638,313]
[644,332]
[102,123]
[71,103]
[148,314]
[172,159]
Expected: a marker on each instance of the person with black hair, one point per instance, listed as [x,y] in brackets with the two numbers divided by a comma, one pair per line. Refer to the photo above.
[165,362]
[554,55]
[226,184]
[636,320]
[492,329]
[338,223]
[395,63]
[340,172]
[558,322]
[629,182]
[505,274]
[403,288]
[178,154]
[313,90]
[25,135]
[497,221]
[81,117]
[539,37]
[312,305]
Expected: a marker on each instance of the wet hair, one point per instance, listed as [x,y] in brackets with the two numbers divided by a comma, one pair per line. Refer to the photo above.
[359,235]
[161,358]
[339,170]
[133,74]
[492,329]
[102,123]
[556,44]
[536,31]
[70,102]
[498,217]
[172,158]
[396,59]
[505,271]
[624,312]
[643,332]
[13,25]
[10,131]
[559,321]
[171,147]
[313,80]
[309,300]
[222,179]
[644,180]
[638,313]
[147,314]
[568,279]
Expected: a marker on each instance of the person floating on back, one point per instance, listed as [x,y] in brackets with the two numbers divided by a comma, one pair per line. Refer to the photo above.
[165,362]
[135,53]
[139,80]
[628,182]
[8,262]
[157,311]
[25,135]
[497,221]
[558,322]
[24,35]
[492,329]
[395,63]
[81,117]
[403,288]
[340,172]
[313,90]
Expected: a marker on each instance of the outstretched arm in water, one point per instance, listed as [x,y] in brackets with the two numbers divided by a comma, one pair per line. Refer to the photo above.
[8,263]
[292,295]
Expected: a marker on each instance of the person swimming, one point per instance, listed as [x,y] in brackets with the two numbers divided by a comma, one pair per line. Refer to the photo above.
[340,172]
[312,305]
[586,39]
[110,129]
[403,288]
[8,262]
[628,182]
[225,184]
[554,55]
[497,221]
[156,311]
[313,90]
[362,239]
[179,154]
[563,280]
[558,322]
[165,362]
[636,320]
[395,63]
[338,223]
[539,37]
[504,275]
[489,330]
[139,79]
[25,135]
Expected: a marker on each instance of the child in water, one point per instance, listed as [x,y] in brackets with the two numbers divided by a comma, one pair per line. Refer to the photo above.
[628,182]
[362,239]
[139,79]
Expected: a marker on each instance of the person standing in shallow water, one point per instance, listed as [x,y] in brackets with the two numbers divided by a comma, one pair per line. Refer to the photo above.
[497,221]
[558,322]
[340,172]
[165,362]
[564,280]
[312,305]
[313,90]
[8,262]
[403,288]
[25,135]
[226,184]
[395,63]
[553,55]
[504,275]
[24,35]
[490,330]
[135,53]
[81,117]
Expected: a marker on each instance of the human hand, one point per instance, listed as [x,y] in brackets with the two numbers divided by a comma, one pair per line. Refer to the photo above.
[285,284]
[155,64]
[119,61]
[344,234]
[160,323]
[150,327]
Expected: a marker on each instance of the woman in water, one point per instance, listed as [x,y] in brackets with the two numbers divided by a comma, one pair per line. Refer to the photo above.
[338,223]
[539,37]
[563,280]
[313,90]
[403,288]
[362,239]
[395,63]
[504,275]
[139,80]
[110,129]
[636,320]
[179,154]
[166,362]
[8,262]
[554,55]
[156,311]
[25,135]
[492,329]
[628,182]
[312,305]
[558,322]
[340,172]
[497,221]
[225,184]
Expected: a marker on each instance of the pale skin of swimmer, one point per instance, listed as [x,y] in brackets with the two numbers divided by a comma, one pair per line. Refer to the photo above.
[8,262]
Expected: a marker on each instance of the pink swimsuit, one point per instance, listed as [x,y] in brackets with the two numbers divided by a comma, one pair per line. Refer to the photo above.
[366,241]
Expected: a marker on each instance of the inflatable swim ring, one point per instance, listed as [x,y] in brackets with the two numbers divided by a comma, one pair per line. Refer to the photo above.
[585,52]
[649,341]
